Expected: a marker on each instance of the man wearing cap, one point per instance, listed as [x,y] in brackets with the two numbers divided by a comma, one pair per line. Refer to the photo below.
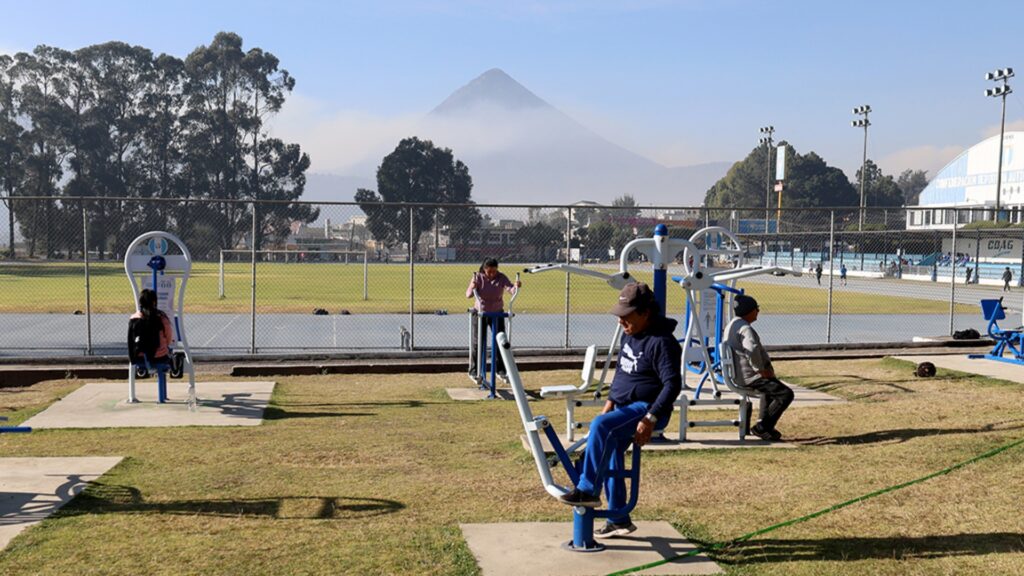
[647,381]
[753,368]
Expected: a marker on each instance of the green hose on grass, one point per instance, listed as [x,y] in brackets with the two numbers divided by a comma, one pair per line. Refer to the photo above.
[868,496]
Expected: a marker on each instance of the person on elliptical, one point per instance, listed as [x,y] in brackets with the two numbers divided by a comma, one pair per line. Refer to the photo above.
[490,286]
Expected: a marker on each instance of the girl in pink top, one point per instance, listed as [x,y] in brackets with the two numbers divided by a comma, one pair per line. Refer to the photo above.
[160,359]
[490,286]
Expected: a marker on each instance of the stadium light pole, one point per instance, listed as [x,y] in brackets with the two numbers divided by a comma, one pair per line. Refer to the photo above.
[862,123]
[766,139]
[1003,74]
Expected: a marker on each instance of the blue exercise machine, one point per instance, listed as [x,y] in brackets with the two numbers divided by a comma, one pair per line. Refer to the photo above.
[583,517]
[1013,340]
[13,429]
[147,261]
[486,376]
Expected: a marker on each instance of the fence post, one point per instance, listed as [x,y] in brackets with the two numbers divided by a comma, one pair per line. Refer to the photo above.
[88,290]
[952,274]
[220,276]
[252,305]
[831,270]
[366,270]
[412,287]
[977,257]
[568,261]
[1020,277]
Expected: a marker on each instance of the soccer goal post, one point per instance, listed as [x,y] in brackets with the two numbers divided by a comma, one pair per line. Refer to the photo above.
[298,256]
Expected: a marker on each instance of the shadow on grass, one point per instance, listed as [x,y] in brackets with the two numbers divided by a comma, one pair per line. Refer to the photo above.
[399,403]
[845,549]
[100,498]
[280,412]
[904,434]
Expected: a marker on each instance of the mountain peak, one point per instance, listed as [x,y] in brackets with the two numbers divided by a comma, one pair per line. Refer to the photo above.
[492,88]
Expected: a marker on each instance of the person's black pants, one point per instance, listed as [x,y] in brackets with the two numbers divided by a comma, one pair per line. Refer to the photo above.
[775,398]
[483,343]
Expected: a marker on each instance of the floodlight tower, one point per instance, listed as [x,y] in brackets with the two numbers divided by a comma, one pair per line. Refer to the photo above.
[766,139]
[1003,74]
[862,123]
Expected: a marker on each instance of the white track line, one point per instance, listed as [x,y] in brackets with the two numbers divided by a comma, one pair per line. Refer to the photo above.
[221,331]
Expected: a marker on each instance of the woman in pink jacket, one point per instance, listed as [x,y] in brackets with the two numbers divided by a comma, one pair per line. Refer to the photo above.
[490,286]
[152,339]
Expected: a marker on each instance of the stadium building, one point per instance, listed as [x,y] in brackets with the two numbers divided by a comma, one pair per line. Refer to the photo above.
[969,181]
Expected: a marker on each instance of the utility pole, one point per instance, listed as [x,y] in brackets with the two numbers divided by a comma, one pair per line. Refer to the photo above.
[1003,74]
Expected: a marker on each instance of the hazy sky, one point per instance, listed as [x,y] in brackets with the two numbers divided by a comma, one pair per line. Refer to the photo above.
[681,82]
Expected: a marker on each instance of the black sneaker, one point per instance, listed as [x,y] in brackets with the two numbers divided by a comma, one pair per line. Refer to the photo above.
[578,498]
[760,432]
[610,530]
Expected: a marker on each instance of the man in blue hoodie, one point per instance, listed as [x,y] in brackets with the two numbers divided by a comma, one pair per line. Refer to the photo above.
[646,383]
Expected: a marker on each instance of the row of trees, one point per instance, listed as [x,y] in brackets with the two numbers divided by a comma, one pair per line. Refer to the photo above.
[810,183]
[115,120]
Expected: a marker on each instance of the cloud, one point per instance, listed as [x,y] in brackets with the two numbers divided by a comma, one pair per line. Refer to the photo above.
[930,158]
[1012,126]
[342,142]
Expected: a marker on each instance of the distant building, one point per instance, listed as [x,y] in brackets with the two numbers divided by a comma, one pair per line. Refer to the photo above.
[969,181]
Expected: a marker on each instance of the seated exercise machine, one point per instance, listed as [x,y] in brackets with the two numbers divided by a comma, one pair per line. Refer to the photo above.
[486,376]
[147,261]
[1013,340]
[583,518]
[708,292]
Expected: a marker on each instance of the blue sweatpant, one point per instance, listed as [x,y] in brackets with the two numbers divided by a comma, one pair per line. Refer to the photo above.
[610,435]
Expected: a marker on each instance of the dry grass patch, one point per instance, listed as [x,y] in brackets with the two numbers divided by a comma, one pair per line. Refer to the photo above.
[372,475]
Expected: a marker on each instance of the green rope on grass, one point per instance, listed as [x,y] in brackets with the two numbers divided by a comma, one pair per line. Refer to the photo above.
[772,528]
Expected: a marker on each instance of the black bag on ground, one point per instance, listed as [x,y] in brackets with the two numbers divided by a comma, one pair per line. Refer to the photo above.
[968,334]
[925,370]
[144,337]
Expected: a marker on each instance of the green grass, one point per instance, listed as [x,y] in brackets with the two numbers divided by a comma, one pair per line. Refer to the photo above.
[373,474]
[299,288]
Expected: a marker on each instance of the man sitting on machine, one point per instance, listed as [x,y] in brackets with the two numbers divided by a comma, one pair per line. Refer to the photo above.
[753,368]
[647,380]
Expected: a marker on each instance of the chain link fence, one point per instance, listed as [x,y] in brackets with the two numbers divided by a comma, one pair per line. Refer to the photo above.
[316,278]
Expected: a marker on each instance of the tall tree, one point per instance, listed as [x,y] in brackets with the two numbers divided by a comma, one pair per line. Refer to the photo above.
[42,87]
[810,182]
[912,183]
[417,171]
[12,148]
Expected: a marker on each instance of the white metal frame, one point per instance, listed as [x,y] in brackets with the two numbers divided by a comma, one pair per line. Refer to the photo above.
[136,259]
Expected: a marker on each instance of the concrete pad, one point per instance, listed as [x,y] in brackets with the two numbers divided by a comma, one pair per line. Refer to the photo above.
[535,548]
[33,488]
[474,394]
[694,441]
[980,366]
[802,398]
[105,406]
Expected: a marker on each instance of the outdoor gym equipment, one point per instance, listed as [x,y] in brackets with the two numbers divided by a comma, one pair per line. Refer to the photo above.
[486,376]
[700,353]
[705,288]
[148,265]
[583,518]
[1012,340]
[12,429]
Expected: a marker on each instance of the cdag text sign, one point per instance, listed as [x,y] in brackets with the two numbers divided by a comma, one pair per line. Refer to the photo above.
[992,249]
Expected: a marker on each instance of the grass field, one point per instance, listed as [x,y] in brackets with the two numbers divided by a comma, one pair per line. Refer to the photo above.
[373,474]
[299,288]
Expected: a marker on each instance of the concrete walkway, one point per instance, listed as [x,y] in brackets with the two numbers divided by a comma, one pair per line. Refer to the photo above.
[33,488]
[535,548]
[105,406]
[980,366]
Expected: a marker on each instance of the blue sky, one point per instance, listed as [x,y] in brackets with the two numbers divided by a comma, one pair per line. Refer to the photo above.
[681,82]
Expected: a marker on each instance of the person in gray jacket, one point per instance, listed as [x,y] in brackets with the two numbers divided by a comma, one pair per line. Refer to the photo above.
[753,368]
